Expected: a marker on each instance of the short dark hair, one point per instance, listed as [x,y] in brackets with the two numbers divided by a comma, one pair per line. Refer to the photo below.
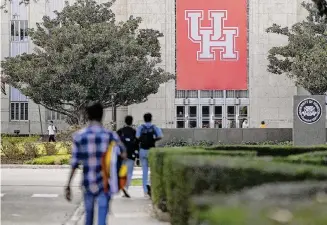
[51,121]
[94,111]
[129,120]
[262,122]
[147,117]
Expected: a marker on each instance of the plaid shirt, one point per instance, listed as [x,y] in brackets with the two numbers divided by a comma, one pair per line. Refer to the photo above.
[89,144]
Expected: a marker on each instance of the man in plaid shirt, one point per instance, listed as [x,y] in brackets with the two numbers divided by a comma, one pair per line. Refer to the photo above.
[89,145]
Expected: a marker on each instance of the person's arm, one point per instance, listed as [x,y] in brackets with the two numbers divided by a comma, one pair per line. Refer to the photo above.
[74,166]
[138,132]
[121,145]
[159,134]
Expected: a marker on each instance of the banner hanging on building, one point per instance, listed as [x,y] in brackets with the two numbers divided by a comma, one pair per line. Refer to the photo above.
[211,44]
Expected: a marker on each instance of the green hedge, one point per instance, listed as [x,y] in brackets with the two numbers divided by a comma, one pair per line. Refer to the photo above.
[266,150]
[315,158]
[156,158]
[190,175]
[50,160]
[288,203]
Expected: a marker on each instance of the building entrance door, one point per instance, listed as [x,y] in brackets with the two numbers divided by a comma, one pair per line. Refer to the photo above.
[211,116]
[222,116]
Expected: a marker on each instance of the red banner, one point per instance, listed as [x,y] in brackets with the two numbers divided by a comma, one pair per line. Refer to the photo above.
[211,44]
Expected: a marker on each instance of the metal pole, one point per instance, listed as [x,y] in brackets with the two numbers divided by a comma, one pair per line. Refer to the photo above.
[40,117]
[29,128]
[113,112]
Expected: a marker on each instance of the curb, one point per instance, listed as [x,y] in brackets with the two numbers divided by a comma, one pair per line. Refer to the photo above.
[22,166]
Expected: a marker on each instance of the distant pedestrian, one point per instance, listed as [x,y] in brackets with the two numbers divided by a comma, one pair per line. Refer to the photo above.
[89,146]
[127,135]
[52,129]
[147,134]
[263,124]
[245,124]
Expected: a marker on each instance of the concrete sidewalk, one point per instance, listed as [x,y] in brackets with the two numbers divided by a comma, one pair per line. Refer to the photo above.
[133,211]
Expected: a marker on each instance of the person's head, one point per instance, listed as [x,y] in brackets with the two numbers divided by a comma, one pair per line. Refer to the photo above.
[51,122]
[94,111]
[263,122]
[246,121]
[147,117]
[129,120]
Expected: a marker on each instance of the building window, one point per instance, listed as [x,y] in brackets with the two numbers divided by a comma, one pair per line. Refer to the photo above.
[52,116]
[19,111]
[18,31]
[186,94]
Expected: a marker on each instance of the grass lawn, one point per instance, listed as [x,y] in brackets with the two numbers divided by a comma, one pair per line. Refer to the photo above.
[136,182]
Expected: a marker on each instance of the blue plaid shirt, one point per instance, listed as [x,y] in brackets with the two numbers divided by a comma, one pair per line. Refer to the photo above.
[89,144]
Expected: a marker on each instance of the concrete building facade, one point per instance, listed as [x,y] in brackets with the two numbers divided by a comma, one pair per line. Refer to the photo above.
[268,98]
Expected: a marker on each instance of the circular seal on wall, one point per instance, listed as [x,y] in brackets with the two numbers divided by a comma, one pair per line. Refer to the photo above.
[309,111]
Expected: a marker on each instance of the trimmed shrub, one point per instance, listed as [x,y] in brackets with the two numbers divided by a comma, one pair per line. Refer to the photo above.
[288,203]
[315,158]
[15,139]
[269,150]
[174,142]
[31,150]
[156,158]
[190,175]
[50,148]
[50,160]
[68,146]
[12,151]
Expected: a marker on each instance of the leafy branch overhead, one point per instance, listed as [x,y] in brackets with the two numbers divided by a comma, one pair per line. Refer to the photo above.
[85,55]
[322,6]
[304,58]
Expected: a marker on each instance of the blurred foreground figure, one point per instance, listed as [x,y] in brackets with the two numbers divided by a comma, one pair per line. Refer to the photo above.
[90,145]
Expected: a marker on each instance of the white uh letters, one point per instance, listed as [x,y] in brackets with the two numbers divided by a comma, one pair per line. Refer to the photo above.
[217,36]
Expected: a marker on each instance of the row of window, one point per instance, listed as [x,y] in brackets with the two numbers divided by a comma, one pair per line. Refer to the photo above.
[19,112]
[217,111]
[18,31]
[211,94]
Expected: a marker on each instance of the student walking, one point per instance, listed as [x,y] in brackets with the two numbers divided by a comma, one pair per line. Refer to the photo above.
[127,135]
[89,146]
[52,132]
[147,134]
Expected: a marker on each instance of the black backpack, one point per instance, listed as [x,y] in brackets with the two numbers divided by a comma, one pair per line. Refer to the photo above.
[127,136]
[147,138]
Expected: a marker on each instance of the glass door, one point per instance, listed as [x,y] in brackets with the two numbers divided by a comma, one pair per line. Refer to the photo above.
[243,121]
[205,116]
[192,116]
[218,116]
[180,116]
[231,116]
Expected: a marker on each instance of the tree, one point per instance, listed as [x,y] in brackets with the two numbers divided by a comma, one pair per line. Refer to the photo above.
[322,6]
[303,59]
[84,55]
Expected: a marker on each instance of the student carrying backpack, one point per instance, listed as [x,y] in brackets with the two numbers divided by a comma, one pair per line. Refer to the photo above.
[147,134]
[127,135]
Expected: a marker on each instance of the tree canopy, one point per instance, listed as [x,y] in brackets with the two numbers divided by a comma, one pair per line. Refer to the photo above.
[322,6]
[304,58]
[84,55]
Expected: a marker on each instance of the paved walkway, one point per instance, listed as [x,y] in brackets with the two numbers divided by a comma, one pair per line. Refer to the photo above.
[133,211]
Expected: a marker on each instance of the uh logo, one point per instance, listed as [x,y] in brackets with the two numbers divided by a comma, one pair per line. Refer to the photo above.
[212,38]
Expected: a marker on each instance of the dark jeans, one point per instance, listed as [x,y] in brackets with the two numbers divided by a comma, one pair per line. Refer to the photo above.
[52,138]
